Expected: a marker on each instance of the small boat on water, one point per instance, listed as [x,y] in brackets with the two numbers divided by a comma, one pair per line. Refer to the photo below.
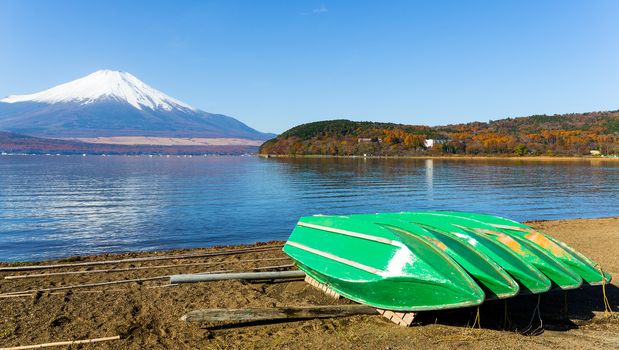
[416,261]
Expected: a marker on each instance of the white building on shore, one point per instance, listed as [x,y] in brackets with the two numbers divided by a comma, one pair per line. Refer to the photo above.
[429,143]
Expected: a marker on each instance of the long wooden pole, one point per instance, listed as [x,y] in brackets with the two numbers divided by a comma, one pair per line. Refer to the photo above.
[279,313]
[198,275]
[62,343]
[193,278]
[151,258]
[64,273]
[15,295]
[88,285]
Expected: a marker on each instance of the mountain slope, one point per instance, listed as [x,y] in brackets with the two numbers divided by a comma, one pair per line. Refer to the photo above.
[112,103]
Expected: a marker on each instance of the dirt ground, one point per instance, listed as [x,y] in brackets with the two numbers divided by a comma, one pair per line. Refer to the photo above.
[146,314]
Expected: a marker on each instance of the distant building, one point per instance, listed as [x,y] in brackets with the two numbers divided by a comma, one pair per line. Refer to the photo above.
[368,139]
[595,152]
[429,143]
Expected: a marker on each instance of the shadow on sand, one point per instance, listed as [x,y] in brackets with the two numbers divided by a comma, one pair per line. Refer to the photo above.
[559,311]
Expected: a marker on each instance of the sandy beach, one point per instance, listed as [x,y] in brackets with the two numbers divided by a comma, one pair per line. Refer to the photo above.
[145,314]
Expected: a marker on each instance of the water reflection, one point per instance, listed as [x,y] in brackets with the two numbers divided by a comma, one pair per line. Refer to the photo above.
[429,175]
[58,206]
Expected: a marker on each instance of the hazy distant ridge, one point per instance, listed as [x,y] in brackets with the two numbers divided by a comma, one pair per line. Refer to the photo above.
[15,143]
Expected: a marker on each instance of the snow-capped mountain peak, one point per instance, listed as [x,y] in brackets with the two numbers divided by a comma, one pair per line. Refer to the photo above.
[105,84]
[110,103]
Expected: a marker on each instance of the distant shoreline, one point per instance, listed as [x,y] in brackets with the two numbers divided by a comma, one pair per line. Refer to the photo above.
[266,156]
[512,158]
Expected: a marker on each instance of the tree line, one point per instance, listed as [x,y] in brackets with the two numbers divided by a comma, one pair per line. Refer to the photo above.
[569,134]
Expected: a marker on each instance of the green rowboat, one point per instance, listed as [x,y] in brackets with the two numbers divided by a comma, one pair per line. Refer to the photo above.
[562,276]
[416,261]
[489,275]
[530,279]
[380,266]
[587,269]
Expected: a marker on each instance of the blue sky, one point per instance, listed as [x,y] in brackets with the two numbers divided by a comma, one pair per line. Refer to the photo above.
[275,64]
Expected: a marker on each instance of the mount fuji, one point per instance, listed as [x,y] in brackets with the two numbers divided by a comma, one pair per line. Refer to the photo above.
[112,104]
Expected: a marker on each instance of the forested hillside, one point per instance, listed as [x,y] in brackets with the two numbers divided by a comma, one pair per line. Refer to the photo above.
[568,134]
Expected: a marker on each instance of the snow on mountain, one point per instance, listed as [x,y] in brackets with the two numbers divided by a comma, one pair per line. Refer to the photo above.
[109,104]
[105,84]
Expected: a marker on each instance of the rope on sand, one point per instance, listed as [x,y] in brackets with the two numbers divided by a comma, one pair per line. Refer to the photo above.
[540,329]
[469,334]
[608,310]
[507,323]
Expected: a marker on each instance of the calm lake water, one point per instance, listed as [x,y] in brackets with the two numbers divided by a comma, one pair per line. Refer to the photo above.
[55,206]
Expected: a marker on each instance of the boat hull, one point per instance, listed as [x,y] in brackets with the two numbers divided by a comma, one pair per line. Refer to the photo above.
[433,260]
[489,275]
[559,274]
[587,269]
[376,266]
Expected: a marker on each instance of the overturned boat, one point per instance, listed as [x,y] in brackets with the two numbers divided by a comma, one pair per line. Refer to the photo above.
[379,265]
[416,261]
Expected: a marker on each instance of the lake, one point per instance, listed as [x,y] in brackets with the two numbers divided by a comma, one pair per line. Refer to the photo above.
[57,206]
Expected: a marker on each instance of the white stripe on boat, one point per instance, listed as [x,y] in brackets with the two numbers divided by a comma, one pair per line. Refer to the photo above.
[352,234]
[337,258]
